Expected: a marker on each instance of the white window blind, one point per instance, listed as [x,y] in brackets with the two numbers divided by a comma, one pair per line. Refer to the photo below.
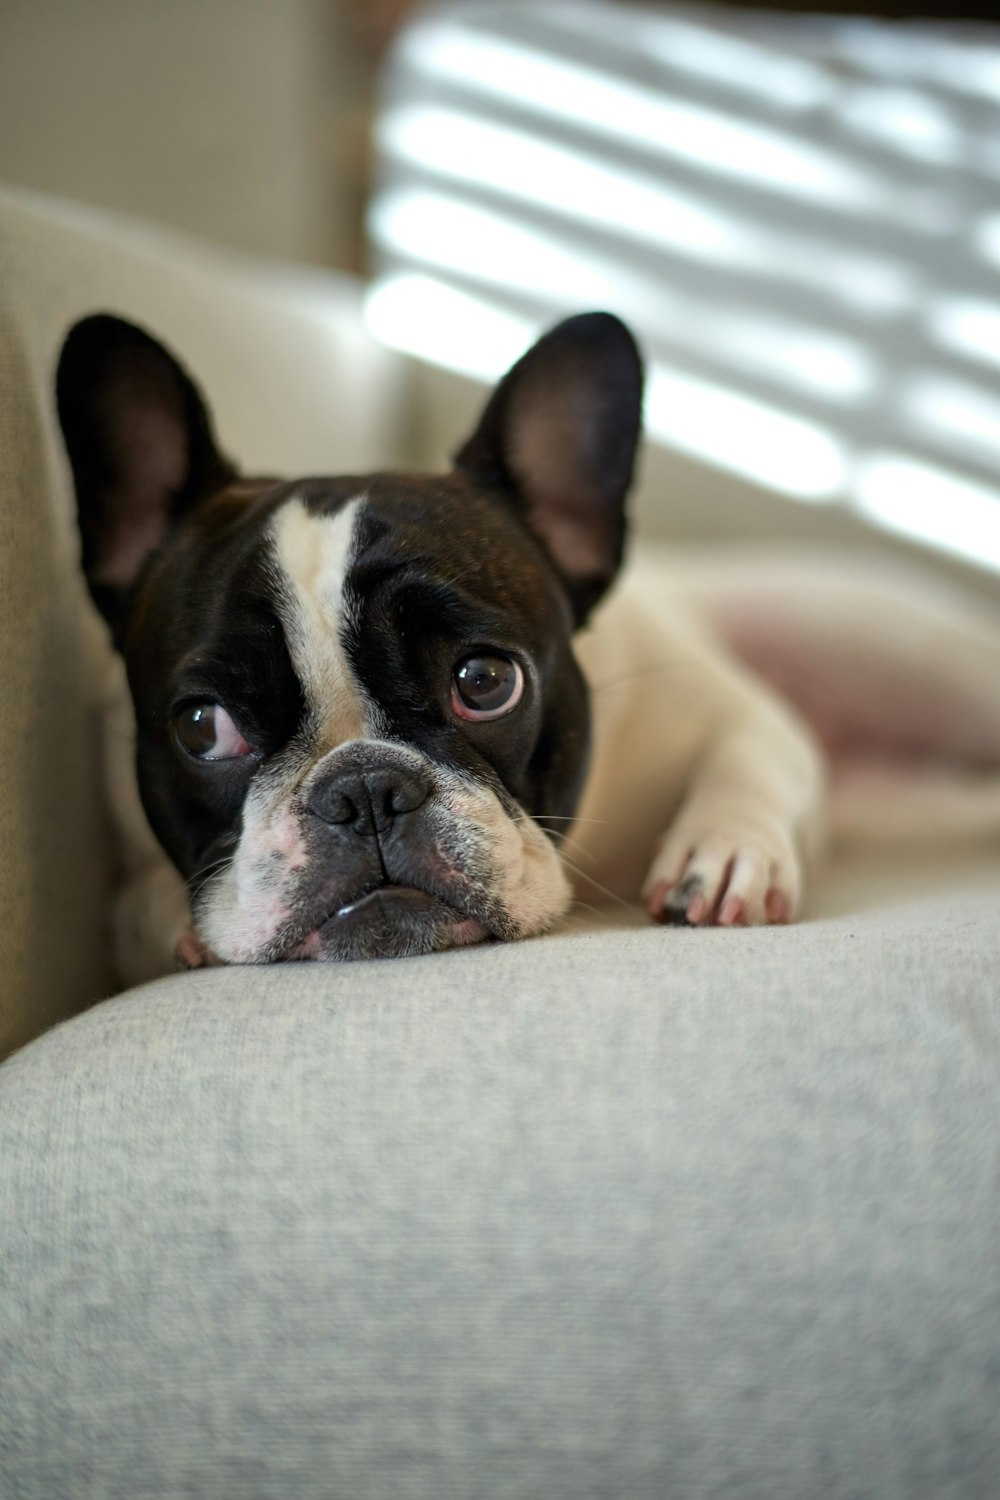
[800,217]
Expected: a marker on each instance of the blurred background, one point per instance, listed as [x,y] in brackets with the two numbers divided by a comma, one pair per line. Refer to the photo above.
[798,213]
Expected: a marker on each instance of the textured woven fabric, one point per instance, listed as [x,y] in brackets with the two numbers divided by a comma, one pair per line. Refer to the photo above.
[297,386]
[646,1213]
[616,1213]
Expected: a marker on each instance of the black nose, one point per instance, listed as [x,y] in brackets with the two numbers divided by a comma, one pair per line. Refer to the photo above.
[368,801]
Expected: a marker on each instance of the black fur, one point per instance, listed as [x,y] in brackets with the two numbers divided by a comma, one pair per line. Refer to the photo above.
[508,552]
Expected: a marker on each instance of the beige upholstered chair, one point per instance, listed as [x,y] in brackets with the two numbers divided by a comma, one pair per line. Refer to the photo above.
[620,1211]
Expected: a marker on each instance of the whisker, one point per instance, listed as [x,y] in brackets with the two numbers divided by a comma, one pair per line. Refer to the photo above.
[562,834]
[650,670]
[193,892]
[148,911]
[612,895]
[583,906]
[206,875]
[562,837]
[224,859]
[556,818]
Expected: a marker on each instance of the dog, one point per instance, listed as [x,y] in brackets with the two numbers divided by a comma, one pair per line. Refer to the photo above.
[391,714]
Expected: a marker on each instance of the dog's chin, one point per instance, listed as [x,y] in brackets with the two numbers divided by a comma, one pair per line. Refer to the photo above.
[393,921]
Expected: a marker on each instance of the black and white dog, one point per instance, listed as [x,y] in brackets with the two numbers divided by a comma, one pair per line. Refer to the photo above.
[363,704]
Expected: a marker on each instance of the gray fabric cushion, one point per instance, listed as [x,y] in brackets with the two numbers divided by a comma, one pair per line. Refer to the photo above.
[641,1213]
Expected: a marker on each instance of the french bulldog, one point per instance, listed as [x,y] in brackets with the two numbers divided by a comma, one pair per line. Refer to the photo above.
[388,714]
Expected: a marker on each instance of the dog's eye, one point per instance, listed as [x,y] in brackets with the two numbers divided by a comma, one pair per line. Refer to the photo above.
[207,732]
[485,687]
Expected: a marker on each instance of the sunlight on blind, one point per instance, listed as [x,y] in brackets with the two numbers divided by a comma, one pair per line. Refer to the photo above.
[783,452]
[931,505]
[798,216]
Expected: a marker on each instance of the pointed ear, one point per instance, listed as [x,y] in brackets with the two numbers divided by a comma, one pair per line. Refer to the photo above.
[559,435]
[140,443]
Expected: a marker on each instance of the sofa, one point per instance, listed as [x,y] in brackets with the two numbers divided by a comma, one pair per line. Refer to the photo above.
[621,1211]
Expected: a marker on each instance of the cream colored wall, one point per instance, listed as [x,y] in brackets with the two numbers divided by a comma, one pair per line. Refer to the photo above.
[214,116]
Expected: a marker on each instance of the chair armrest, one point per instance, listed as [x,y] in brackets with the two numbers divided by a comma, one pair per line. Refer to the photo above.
[297,384]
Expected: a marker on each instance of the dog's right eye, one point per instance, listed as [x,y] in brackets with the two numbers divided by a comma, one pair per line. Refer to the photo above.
[207,732]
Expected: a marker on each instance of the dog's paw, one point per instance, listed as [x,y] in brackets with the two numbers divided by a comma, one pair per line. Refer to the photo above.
[723,878]
[190,952]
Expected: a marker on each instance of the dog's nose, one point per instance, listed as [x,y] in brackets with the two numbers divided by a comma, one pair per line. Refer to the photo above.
[368,801]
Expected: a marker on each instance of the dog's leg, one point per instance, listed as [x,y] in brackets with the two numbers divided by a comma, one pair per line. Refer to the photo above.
[686,740]
[734,854]
[898,684]
[899,678]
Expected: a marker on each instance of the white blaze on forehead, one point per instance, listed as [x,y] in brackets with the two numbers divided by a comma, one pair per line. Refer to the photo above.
[247,912]
[313,554]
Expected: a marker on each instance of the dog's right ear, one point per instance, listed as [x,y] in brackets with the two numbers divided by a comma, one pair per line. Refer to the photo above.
[141,446]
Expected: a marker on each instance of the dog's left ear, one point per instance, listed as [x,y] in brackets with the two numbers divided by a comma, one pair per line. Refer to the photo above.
[141,446]
[559,436]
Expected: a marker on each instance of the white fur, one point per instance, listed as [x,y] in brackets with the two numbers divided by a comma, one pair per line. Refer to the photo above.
[248,905]
[705,778]
[312,554]
[727,784]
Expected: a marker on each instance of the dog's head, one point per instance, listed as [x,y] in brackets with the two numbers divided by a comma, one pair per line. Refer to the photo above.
[360,724]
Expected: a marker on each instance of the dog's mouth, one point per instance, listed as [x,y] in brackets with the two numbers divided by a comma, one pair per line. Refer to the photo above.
[461,875]
[389,898]
[389,921]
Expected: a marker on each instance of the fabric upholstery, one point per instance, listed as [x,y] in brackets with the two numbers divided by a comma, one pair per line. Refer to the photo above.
[619,1212]
[644,1213]
[297,386]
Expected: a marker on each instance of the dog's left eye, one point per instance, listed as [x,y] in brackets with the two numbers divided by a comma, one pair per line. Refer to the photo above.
[208,733]
[486,687]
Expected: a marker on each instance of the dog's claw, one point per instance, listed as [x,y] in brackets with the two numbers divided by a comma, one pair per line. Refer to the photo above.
[672,916]
[777,908]
[722,880]
[683,906]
